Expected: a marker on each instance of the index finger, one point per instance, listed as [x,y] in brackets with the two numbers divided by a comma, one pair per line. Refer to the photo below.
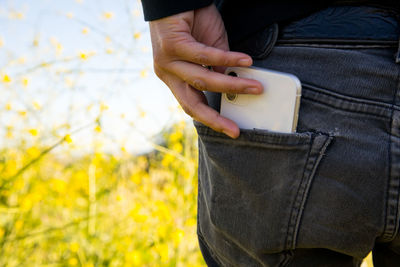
[202,54]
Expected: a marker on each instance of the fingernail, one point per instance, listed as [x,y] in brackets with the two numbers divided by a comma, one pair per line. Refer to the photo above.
[245,62]
[252,90]
[227,133]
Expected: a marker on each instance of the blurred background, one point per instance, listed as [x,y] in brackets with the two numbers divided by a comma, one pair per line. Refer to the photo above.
[98,164]
[97,161]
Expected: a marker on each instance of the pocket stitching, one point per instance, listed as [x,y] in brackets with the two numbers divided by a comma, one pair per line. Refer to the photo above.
[301,197]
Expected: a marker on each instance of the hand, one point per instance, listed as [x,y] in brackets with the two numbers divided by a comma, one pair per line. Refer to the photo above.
[182,43]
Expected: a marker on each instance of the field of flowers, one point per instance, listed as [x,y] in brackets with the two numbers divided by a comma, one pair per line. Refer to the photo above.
[79,185]
[100,209]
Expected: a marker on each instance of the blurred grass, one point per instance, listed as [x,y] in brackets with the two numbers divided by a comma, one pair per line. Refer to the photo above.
[100,209]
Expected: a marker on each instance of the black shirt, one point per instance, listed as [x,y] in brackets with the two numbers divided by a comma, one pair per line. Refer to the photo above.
[242,18]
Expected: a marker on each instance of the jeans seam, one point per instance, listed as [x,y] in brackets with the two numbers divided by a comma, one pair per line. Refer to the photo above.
[348,103]
[310,167]
[390,230]
[337,41]
[199,232]
[363,101]
[212,253]
[313,169]
[289,240]
[353,47]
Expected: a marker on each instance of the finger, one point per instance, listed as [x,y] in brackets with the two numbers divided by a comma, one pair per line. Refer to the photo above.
[199,53]
[206,80]
[194,104]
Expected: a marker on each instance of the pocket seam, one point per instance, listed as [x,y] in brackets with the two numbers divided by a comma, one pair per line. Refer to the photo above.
[302,193]
[260,138]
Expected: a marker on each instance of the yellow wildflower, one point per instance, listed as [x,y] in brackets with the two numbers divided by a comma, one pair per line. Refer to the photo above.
[26,203]
[163,250]
[6,78]
[68,139]
[60,186]
[8,106]
[134,258]
[137,35]
[103,106]
[35,41]
[142,114]
[73,261]
[143,73]
[190,222]
[36,105]
[18,225]
[176,136]
[162,231]
[19,15]
[177,147]
[1,42]
[177,237]
[108,15]
[21,60]
[83,55]
[25,81]
[9,133]
[137,213]
[85,30]
[59,48]
[97,129]
[33,132]
[16,15]
[74,247]
[70,15]
[33,151]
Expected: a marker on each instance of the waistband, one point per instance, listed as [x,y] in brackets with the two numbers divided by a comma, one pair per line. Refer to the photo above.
[346,26]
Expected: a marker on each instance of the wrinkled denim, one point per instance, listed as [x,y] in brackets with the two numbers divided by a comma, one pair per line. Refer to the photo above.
[330,193]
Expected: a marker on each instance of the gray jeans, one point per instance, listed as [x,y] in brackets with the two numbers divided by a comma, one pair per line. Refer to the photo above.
[330,193]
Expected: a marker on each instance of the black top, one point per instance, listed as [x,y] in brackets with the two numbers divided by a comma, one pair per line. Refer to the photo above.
[242,18]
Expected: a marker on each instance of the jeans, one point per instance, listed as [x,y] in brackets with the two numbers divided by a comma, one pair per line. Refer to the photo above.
[330,193]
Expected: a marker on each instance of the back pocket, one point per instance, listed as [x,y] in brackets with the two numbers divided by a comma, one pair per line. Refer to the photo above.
[252,190]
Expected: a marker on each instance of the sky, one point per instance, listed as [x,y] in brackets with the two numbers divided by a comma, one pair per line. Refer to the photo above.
[85,64]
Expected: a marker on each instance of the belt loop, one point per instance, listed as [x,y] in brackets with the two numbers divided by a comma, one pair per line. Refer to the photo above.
[398,53]
[259,44]
[398,31]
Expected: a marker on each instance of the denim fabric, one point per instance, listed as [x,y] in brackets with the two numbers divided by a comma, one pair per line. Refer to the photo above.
[328,194]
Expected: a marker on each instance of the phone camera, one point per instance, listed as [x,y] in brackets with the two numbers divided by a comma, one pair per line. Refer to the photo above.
[231,73]
[231,97]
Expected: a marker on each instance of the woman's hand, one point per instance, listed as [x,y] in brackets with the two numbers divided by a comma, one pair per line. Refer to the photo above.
[182,43]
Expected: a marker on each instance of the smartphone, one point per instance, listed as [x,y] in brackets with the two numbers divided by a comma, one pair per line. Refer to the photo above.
[276,109]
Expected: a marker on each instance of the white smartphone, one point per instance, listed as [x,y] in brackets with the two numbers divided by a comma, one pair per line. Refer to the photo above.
[276,109]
